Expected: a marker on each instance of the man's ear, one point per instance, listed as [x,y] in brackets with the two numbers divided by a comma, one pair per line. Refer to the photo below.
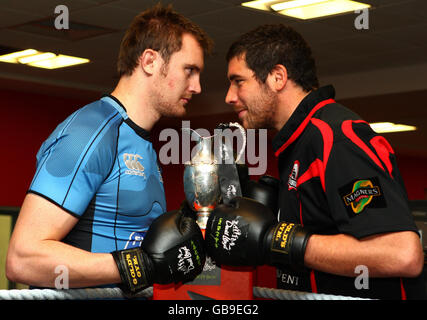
[278,77]
[148,60]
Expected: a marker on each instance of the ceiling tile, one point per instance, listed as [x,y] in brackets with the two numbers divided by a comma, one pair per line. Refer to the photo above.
[12,17]
[406,35]
[44,8]
[239,19]
[185,7]
[105,16]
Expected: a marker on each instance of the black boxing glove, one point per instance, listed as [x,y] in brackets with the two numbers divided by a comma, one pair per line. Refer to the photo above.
[171,252]
[187,211]
[265,190]
[244,233]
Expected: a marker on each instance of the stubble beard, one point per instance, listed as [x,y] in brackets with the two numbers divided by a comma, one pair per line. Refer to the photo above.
[162,102]
[263,111]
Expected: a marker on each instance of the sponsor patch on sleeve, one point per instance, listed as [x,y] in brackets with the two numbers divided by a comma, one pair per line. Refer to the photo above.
[360,194]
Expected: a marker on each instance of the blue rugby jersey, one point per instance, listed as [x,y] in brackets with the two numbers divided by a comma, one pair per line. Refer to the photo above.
[101,167]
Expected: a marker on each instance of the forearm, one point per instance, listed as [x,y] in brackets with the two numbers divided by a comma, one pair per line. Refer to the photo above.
[35,250]
[386,255]
[42,265]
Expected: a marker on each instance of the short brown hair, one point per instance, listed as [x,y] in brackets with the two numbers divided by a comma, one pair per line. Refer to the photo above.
[159,28]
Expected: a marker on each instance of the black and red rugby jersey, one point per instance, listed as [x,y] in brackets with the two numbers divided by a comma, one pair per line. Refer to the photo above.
[339,176]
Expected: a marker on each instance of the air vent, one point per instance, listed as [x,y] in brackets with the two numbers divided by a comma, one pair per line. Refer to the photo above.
[76,31]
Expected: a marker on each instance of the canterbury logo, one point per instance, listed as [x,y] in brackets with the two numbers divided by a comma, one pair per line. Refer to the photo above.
[134,166]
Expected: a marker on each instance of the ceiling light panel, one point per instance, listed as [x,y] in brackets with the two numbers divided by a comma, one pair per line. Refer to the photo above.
[46,60]
[387,127]
[307,9]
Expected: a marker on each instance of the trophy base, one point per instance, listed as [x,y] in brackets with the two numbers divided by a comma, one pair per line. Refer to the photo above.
[202,218]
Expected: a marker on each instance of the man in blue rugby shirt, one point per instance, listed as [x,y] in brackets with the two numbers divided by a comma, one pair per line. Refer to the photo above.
[98,187]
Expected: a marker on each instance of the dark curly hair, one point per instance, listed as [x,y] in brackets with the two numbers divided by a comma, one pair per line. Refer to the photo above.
[270,45]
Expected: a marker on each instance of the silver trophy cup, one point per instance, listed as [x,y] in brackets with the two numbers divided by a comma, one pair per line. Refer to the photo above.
[201,179]
[201,182]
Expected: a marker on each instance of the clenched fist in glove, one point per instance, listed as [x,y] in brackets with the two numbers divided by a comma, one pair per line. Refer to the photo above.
[171,252]
[245,233]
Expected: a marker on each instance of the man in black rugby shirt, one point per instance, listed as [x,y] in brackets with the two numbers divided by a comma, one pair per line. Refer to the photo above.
[343,205]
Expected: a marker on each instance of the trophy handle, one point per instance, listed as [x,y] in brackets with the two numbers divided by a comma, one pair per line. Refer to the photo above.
[200,142]
[202,151]
[242,132]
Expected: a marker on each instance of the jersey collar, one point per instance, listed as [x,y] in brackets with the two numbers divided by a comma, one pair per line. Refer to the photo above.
[301,116]
[122,110]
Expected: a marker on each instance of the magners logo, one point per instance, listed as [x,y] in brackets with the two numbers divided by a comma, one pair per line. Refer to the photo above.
[362,194]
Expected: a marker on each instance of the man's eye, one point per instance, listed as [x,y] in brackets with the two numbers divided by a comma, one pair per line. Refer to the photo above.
[189,71]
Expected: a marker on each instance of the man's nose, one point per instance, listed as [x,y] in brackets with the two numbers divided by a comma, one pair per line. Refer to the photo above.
[195,86]
[231,97]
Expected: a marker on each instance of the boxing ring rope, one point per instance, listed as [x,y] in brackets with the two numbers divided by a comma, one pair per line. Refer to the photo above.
[279,294]
[116,293]
[70,294]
